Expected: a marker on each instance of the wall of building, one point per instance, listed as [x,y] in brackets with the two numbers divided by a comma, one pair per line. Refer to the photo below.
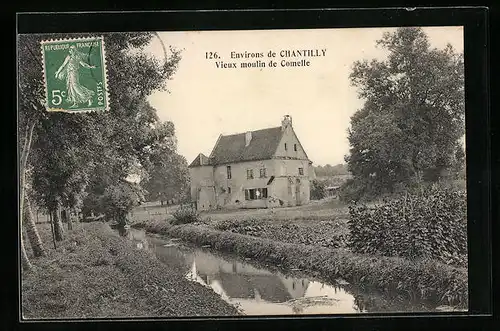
[287,186]
[202,187]
[211,188]
[283,187]
[290,139]
[239,182]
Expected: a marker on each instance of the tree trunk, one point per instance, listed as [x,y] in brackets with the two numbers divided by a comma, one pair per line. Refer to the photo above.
[49,216]
[76,212]
[22,179]
[25,261]
[69,219]
[58,227]
[32,231]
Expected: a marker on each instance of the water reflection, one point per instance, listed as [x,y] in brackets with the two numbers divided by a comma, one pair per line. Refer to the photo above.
[255,291]
[138,237]
[259,291]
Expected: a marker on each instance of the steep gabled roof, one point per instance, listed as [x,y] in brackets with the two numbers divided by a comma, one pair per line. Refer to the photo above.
[200,160]
[232,148]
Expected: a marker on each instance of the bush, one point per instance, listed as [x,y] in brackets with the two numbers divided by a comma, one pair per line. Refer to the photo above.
[354,190]
[118,200]
[429,224]
[185,214]
[318,189]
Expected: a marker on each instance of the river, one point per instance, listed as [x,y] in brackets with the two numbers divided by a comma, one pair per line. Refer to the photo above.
[257,289]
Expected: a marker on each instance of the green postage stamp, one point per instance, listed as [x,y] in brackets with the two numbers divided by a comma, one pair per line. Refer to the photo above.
[75,75]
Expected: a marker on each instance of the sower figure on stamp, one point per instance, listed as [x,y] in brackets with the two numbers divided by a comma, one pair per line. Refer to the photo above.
[69,70]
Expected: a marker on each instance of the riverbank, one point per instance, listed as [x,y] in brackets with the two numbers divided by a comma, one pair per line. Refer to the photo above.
[414,280]
[330,233]
[94,273]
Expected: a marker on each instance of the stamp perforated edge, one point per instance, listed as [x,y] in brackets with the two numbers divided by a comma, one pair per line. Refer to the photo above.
[105,78]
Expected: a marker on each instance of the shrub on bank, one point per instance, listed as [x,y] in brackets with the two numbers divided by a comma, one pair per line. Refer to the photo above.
[318,189]
[430,224]
[185,215]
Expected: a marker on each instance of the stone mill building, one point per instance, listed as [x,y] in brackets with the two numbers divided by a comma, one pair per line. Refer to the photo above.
[255,169]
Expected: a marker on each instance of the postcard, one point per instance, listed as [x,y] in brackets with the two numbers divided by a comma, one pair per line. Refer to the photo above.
[232,173]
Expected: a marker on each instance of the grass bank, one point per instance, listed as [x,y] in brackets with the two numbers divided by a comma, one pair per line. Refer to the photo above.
[414,280]
[329,233]
[94,273]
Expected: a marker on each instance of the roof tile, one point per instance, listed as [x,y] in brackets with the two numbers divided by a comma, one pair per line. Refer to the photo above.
[232,148]
[200,160]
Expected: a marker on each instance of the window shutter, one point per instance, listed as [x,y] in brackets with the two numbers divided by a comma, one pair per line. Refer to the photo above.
[246,195]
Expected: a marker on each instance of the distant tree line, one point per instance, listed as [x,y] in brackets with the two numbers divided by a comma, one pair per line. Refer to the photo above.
[329,170]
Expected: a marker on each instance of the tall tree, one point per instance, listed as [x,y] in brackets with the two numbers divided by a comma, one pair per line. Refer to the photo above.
[167,172]
[30,110]
[410,126]
[69,148]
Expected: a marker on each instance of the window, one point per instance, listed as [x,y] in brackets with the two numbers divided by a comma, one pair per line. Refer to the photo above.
[295,147]
[263,173]
[228,190]
[301,171]
[286,147]
[256,193]
[249,173]
[228,168]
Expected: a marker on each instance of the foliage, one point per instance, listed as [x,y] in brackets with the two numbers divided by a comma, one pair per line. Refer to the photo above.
[118,200]
[354,190]
[431,224]
[185,214]
[318,189]
[329,170]
[412,121]
[87,156]
[327,233]
[168,175]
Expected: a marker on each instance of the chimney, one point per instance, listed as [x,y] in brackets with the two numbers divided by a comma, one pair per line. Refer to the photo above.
[248,138]
[286,122]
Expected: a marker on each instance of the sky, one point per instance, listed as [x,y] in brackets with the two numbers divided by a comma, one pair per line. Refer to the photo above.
[204,101]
